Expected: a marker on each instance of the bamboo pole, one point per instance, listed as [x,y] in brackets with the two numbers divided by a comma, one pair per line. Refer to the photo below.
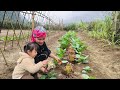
[4,58]
[33,20]
[49,24]
[33,25]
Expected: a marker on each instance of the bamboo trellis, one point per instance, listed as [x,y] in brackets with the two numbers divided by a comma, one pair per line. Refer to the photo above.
[7,19]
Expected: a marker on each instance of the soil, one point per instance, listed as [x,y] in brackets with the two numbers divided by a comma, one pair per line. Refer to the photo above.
[104,59]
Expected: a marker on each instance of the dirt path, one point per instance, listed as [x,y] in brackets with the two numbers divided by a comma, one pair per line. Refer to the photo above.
[105,60]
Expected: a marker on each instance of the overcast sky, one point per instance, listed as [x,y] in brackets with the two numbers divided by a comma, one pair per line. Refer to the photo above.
[74,16]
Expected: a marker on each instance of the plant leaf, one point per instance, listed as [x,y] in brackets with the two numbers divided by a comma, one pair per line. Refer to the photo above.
[77,56]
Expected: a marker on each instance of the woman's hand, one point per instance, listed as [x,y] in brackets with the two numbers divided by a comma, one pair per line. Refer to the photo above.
[58,60]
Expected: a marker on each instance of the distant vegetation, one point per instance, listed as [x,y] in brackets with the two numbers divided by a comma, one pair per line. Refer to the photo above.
[108,29]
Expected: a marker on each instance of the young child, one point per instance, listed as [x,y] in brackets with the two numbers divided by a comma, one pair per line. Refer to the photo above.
[25,64]
[38,36]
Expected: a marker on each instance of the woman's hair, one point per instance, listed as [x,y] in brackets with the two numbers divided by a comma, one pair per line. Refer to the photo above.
[30,46]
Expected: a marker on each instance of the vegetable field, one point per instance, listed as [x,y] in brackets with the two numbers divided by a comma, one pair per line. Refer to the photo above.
[86,50]
[103,61]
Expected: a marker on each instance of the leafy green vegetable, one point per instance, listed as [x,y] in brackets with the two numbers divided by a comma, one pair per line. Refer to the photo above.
[43,77]
[60,52]
[91,77]
[85,76]
[84,72]
[85,61]
[71,38]
[81,58]
[87,68]
[51,74]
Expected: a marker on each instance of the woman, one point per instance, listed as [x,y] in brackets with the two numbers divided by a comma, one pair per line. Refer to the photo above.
[38,36]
